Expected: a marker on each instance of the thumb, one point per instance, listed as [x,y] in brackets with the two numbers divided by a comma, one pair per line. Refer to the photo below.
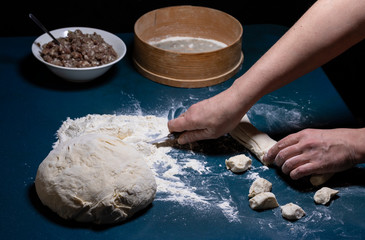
[193,136]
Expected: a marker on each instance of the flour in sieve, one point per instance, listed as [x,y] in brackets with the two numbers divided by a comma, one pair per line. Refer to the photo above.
[188,44]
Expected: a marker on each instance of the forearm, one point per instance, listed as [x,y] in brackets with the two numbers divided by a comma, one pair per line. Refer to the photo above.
[327,29]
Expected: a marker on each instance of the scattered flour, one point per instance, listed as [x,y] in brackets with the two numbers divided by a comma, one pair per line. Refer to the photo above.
[286,115]
[253,175]
[229,210]
[174,173]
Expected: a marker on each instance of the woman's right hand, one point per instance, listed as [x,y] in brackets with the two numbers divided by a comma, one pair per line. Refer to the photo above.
[208,119]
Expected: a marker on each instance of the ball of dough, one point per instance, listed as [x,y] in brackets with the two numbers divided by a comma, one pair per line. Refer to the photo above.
[324,195]
[258,186]
[292,211]
[262,201]
[95,178]
[239,163]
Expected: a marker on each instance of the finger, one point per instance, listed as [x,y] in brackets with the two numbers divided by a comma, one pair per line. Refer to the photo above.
[302,171]
[293,163]
[193,136]
[179,124]
[269,158]
[286,154]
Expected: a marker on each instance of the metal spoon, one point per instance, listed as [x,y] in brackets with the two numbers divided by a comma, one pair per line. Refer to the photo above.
[43,28]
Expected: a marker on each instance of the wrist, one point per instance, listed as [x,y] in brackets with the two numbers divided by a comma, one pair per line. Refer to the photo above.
[359,146]
[247,90]
[241,99]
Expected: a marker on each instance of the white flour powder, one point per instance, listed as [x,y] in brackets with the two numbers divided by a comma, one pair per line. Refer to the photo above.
[188,44]
[174,175]
[136,131]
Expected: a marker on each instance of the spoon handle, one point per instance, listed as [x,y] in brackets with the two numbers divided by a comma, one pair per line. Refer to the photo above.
[43,28]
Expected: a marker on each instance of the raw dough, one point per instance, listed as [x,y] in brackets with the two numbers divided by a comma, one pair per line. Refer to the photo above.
[292,211]
[259,143]
[317,180]
[260,185]
[324,195]
[239,163]
[262,201]
[254,140]
[95,178]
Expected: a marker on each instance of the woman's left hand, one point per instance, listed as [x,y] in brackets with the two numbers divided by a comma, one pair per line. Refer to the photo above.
[312,151]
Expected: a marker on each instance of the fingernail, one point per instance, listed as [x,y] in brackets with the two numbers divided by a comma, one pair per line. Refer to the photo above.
[264,159]
[181,140]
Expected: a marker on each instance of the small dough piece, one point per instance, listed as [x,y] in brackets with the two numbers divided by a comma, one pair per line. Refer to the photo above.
[259,143]
[262,201]
[239,163]
[324,195]
[317,180]
[260,185]
[292,211]
[95,178]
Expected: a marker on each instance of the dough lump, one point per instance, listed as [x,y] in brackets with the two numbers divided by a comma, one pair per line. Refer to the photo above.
[317,180]
[263,201]
[95,178]
[260,185]
[250,137]
[324,195]
[239,163]
[292,211]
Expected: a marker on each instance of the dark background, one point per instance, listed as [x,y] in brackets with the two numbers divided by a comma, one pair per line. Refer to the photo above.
[346,71]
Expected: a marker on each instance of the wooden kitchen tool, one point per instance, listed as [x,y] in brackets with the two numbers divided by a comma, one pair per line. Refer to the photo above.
[190,70]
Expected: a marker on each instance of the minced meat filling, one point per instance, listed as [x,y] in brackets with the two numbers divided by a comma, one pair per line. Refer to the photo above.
[79,50]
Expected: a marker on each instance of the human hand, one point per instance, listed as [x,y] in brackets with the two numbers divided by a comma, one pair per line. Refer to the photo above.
[313,151]
[208,119]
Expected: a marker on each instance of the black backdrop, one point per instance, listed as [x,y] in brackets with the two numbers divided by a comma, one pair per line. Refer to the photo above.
[119,16]
[346,71]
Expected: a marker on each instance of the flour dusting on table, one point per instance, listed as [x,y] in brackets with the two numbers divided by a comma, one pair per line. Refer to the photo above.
[174,171]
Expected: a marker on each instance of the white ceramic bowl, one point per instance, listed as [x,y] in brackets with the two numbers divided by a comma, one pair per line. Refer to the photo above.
[80,74]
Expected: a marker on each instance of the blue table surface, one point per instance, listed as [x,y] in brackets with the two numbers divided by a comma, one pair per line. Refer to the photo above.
[34,102]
